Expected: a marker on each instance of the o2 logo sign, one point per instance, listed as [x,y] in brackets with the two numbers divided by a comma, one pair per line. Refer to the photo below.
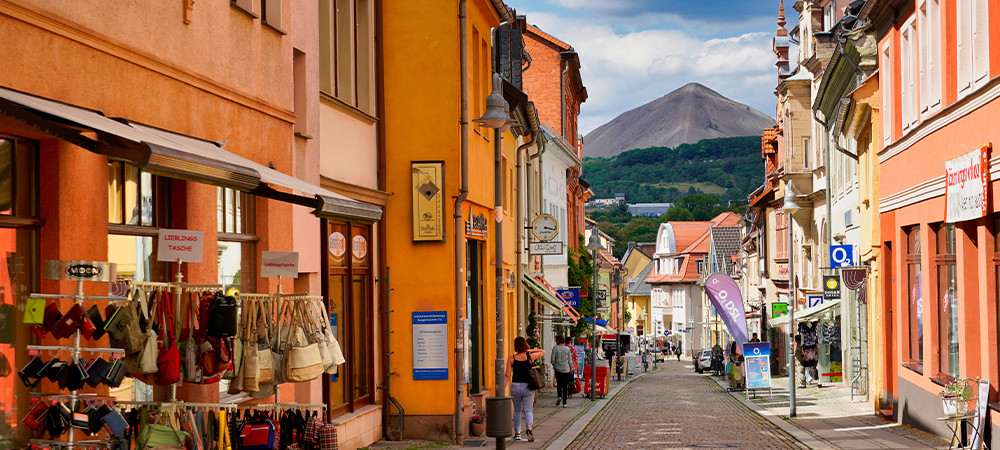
[841,255]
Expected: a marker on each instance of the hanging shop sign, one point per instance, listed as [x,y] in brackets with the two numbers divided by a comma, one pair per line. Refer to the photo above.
[545,227]
[570,296]
[545,248]
[831,287]
[814,300]
[778,309]
[80,270]
[967,179]
[430,345]
[427,183]
[757,357]
[279,264]
[184,245]
[841,255]
[725,296]
[477,226]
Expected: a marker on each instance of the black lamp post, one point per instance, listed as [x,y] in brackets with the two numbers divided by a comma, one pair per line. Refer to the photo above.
[594,245]
[616,281]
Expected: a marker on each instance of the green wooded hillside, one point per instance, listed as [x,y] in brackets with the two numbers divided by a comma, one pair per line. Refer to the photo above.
[661,174]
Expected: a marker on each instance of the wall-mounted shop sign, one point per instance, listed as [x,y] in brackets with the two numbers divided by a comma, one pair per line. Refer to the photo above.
[279,264]
[831,287]
[545,248]
[967,180]
[430,345]
[184,245]
[778,309]
[427,187]
[841,255]
[814,300]
[80,270]
[477,226]
[570,296]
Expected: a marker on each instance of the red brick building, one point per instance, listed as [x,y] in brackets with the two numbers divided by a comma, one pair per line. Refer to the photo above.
[554,84]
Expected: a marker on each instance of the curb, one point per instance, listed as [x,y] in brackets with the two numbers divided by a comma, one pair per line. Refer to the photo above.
[800,434]
[581,422]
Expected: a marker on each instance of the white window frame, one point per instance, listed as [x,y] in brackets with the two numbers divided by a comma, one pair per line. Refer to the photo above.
[929,38]
[908,69]
[973,46]
[829,16]
[887,91]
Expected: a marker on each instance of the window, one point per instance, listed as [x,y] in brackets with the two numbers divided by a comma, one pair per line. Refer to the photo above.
[908,74]
[885,67]
[930,56]
[973,44]
[829,16]
[701,266]
[806,153]
[300,91]
[947,294]
[270,14]
[781,235]
[347,49]
[237,239]
[350,287]
[915,307]
[138,204]
[245,5]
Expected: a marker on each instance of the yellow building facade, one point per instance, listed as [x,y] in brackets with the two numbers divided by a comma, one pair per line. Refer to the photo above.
[440,243]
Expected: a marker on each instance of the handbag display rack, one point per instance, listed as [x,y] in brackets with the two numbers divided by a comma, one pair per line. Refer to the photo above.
[75,351]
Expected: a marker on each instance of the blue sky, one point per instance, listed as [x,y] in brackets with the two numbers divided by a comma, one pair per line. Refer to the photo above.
[634,51]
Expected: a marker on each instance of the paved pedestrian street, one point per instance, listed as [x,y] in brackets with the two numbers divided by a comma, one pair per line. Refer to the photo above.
[677,408]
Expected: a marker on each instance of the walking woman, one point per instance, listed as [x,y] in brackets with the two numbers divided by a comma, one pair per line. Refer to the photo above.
[518,366]
[562,365]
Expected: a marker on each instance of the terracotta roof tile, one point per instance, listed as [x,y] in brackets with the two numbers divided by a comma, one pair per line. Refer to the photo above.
[548,37]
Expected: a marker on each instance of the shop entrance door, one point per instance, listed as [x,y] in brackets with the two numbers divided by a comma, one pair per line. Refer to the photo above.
[474,315]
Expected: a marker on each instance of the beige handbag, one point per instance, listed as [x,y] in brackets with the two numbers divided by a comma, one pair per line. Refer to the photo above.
[251,371]
[144,361]
[303,361]
[333,346]
[265,363]
[313,311]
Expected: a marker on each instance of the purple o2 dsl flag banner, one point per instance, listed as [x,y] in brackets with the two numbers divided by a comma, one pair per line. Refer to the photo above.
[725,296]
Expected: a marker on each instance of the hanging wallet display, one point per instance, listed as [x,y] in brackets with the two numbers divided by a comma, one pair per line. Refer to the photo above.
[115,423]
[52,316]
[69,323]
[53,369]
[31,373]
[97,371]
[34,311]
[95,317]
[35,418]
[116,373]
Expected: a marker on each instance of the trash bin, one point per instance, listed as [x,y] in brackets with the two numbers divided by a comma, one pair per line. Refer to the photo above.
[600,383]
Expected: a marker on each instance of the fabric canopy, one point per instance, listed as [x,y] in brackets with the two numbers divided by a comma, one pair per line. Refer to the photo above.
[807,313]
[541,290]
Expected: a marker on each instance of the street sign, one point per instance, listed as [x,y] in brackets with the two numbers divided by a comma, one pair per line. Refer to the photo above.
[831,287]
[545,248]
[841,255]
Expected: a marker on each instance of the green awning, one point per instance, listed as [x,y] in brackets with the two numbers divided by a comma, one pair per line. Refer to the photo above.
[806,314]
[540,293]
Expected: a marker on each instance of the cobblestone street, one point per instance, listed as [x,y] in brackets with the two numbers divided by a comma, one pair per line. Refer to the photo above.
[677,408]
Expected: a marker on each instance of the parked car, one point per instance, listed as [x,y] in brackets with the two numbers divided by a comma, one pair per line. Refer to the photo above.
[660,354]
[703,360]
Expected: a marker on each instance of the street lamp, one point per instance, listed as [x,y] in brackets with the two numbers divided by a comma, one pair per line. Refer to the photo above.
[616,282]
[691,335]
[594,245]
[790,207]
[500,407]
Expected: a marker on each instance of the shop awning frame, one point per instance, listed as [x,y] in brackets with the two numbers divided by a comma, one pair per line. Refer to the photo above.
[175,155]
[541,290]
[806,314]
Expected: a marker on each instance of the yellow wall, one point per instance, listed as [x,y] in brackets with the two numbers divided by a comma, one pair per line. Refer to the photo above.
[635,263]
[421,116]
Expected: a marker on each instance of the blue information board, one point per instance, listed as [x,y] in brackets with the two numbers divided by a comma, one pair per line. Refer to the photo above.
[430,345]
[570,296]
[757,358]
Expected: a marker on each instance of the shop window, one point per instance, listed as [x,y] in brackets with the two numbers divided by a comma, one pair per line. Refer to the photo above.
[947,295]
[996,265]
[237,239]
[19,276]
[350,289]
[914,354]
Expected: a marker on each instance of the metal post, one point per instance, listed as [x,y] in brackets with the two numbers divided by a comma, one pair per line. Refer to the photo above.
[791,320]
[500,394]
[593,328]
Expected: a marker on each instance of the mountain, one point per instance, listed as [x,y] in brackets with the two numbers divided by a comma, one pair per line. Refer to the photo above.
[685,116]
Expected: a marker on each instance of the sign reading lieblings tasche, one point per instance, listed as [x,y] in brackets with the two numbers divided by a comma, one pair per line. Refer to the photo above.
[967,179]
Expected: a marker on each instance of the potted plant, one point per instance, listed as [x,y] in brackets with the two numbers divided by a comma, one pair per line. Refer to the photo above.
[477,425]
[955,397]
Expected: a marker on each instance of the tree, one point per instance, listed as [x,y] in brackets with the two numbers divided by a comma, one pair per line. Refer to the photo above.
[677,214]
[581,274]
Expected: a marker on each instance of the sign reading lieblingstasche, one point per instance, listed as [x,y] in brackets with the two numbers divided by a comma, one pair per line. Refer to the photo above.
[430,345]
[184,245]
[427,187]
[279,264]
[967,181]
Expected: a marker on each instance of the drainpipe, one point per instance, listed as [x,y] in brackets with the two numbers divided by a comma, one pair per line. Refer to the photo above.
[520,233]
[463,193]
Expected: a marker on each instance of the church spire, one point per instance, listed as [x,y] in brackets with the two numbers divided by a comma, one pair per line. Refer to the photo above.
[781,19]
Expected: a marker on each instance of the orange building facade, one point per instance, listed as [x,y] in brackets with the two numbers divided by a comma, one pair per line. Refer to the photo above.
[212,133]
[938,63]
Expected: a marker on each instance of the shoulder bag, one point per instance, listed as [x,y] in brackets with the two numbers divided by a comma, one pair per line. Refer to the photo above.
[143,362]
[168,357]
[535,380]
[251,371]
[303,361]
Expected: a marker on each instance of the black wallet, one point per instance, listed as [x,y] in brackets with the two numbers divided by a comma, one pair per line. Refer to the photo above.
[116,373]
[97,370]
[31,373]
[52,369]
[95,316]
[73,376]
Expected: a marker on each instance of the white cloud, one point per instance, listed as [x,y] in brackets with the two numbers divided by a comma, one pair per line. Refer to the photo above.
[623,70]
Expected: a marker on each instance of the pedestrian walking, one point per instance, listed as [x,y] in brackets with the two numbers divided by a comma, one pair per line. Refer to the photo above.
[517,376]
[562,359]
[677,351]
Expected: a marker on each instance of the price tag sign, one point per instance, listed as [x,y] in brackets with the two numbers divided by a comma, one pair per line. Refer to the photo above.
[185,245]
[279,264]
